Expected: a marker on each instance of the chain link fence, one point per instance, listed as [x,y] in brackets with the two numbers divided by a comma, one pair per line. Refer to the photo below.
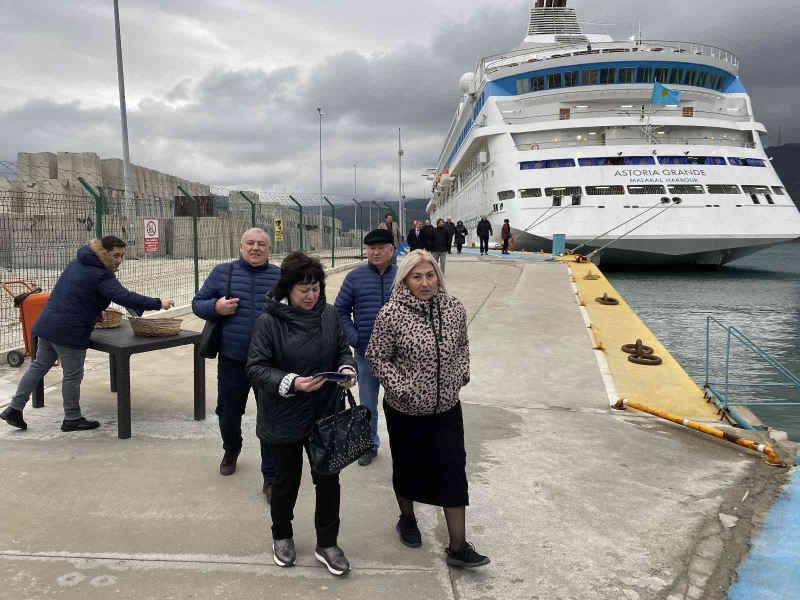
[40,234]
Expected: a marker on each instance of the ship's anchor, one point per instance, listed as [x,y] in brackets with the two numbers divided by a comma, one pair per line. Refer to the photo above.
[641,354]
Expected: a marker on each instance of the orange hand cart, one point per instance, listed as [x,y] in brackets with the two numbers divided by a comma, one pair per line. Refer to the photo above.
[30,304]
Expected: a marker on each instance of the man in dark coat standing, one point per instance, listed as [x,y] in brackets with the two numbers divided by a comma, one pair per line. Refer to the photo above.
[83,291]
[427,229]
[364,291]
[451,232]
[251,277]
[484,230]
[416,238]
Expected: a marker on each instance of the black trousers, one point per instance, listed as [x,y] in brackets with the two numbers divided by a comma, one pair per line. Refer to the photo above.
[484,243]
[458,246]
[232,391]
[289,466]
[505,245]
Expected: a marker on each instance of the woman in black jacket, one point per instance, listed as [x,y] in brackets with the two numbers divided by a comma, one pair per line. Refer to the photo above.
[461,235]
[298,335]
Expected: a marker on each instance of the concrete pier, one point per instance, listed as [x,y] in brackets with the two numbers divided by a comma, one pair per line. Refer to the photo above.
[570,499]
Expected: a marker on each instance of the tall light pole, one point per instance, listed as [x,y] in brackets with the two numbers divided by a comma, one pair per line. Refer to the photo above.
[355,197]
[319,110]
[400,216]
[126,159]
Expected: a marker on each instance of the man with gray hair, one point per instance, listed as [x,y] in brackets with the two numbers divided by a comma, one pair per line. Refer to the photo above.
[235,293]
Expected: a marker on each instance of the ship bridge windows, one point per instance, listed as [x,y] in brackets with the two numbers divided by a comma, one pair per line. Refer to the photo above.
[660,74]
[531,193]
[506,195]
[556,163]
[563,191]
[608,75]
[537,83]
[572,78]
[644,75]
[590,77]
[554,81]
[676,76]
[686,189]
[604,161]
[605,190]
[723,188]
[523,85]
[627,75]
[646,189]
[691,160]
[747,162]
[778,190]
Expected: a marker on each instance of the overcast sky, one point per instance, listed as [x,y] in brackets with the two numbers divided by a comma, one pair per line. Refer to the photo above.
[225,91]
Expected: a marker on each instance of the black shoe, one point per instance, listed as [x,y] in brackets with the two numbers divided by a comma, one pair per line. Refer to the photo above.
[368,456]
[466,557]
[333,557]
[283,552]
[228,464]
[81,424]
[13,417]
[267,489]
[409,532]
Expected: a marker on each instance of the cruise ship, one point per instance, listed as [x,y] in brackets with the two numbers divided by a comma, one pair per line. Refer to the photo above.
[563,137]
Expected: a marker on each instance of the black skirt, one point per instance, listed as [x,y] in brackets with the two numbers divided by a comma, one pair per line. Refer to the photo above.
[428,458]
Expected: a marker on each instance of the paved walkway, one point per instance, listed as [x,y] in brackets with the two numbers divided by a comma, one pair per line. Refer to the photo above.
[569,499]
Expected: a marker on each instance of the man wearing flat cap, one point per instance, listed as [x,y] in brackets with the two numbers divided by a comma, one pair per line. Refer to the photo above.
[364,291]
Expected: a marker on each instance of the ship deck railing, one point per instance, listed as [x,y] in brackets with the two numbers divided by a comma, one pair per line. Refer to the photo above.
[519,116]
[634,141]
[547,52]
[739,372]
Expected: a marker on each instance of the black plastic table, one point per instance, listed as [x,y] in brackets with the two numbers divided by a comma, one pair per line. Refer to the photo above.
[120,344]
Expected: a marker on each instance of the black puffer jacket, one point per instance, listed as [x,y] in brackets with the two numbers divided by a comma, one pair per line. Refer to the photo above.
[440,240]
[288,339]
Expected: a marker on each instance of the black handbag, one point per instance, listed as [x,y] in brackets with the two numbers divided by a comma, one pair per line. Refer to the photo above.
[340,439]
[209,338]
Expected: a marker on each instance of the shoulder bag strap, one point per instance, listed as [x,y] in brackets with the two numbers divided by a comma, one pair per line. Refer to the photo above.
[230,275]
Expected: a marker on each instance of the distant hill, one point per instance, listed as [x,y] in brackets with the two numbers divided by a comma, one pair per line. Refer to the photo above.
[786,160]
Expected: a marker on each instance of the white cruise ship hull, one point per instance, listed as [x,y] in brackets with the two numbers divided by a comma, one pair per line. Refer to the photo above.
[570,134]
[706,252]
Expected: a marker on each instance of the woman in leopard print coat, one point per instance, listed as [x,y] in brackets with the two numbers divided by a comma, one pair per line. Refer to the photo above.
[420,353]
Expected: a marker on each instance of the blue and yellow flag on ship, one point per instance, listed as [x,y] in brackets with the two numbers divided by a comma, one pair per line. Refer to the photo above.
[664,95]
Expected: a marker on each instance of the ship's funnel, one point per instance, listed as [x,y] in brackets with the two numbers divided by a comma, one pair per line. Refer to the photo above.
[553,18]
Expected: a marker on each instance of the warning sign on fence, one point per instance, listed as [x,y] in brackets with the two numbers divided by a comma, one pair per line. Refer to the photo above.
[278,230]
[152,243]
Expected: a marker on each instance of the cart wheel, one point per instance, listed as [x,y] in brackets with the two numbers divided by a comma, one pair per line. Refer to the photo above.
[15,358]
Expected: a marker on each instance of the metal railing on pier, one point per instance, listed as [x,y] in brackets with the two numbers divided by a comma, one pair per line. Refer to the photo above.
[739,372]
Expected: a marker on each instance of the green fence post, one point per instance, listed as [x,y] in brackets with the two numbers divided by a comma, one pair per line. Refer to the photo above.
[252,209]
[333,232]
[302,226]
[195,249]
[98,207]
[361,219]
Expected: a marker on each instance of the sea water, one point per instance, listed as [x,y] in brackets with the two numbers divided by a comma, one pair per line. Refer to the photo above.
[760,295]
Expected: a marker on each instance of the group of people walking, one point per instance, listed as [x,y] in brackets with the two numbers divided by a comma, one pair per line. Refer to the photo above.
[277,336]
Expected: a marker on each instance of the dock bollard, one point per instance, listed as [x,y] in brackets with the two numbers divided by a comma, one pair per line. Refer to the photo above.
[771,457]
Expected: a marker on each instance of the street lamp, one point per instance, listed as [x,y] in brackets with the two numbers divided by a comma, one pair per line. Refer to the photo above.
[319,110]
[355,197]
